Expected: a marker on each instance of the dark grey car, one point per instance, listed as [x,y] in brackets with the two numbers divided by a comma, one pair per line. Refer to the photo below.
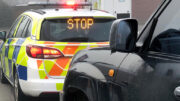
[143,68]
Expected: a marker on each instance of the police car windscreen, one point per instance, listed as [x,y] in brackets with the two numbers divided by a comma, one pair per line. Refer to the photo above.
[76,30]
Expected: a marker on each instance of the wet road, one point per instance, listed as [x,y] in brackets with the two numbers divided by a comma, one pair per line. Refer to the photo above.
[6,94]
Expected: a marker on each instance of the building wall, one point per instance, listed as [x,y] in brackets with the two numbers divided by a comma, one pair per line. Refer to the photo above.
[143,9]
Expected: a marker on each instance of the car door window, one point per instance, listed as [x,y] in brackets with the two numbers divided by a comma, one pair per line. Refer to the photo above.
[13,28]
[27,32]
[166,37]
[22,27]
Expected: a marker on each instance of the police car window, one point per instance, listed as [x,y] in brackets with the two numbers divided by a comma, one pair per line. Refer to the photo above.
[29,28]
[76,30]
[13,28]
[22,27]
[25,29]
[166,37]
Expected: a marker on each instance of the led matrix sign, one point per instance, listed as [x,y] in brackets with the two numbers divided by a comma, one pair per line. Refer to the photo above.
[80,23]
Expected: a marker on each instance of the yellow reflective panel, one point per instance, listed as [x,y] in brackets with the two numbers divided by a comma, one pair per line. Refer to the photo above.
[59,86]
[48,65]
[42,74]
[37,28]
[7,66]
[11,48]
[18,26]
[22,57]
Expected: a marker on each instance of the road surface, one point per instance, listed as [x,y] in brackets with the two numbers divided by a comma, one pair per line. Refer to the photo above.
[6,94]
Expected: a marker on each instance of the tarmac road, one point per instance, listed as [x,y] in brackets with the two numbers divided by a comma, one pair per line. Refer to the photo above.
[6,94]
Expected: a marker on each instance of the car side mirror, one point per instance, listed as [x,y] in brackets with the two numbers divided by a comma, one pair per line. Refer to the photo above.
[123,35]
[3,35]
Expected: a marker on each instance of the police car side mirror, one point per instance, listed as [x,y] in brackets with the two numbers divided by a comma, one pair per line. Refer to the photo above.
[3,35]
[123,35]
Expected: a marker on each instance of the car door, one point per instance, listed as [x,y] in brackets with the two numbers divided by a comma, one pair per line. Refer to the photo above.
[154,73]
[5,48]
[133,77]
[16,44]
[165,48]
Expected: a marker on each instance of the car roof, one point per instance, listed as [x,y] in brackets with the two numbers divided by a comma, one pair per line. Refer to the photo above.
[55,13]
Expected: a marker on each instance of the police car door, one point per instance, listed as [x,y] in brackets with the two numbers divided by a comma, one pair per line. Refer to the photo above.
[17,44]
[5,49]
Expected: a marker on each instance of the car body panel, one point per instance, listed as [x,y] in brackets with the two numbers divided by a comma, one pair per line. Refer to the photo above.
[93,66]
[141,75]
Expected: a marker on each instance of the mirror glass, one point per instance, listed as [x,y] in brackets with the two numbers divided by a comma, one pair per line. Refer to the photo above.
[2,35]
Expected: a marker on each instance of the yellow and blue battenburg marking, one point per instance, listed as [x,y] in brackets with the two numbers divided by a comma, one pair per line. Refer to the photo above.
[11,53]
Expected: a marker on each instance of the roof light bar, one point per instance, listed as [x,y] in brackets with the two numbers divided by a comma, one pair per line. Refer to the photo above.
[69,3]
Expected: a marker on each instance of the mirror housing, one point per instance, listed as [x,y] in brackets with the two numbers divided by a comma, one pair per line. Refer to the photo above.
[177,93]
[3,35]
[123,35]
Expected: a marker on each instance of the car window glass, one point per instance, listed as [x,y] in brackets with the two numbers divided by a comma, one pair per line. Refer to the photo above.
[22,27]
[25,29]
[13,28]
[61,30]
[29,28]
[166,36]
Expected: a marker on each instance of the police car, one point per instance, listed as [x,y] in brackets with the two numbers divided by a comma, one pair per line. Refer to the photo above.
[37,50]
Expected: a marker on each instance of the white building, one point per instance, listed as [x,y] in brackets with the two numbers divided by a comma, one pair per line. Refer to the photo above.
[120,8]
[139,9]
